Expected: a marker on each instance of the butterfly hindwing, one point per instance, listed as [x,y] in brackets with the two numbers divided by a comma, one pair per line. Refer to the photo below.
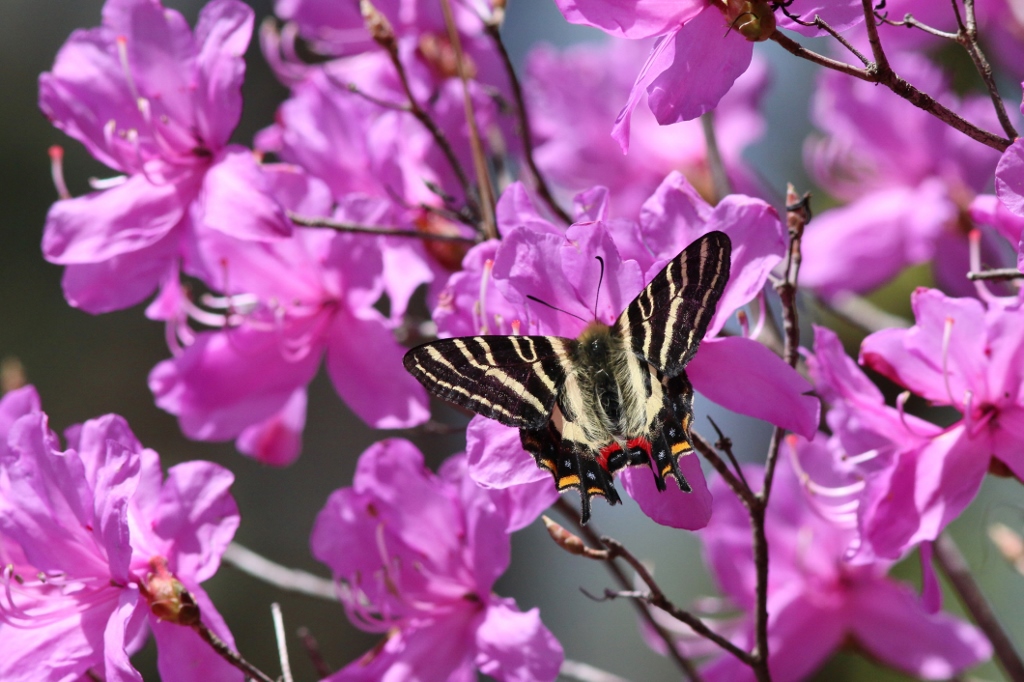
[514,380]
[666,322]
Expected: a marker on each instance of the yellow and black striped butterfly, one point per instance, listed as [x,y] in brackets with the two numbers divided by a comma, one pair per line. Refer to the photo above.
[612,397]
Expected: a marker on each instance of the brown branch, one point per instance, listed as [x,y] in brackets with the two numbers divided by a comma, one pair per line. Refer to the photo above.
[968,37]
[881,61]
[383,34]
[887,77]
[955,567]
[229,655]
[493,29]
[725,445]
[742,491]
[657,598]
[594,539]
[344,226]
[483,177]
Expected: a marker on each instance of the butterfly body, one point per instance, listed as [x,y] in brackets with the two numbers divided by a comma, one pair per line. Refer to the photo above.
[614,396]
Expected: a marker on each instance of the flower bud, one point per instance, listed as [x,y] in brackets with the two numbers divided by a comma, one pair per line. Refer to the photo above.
[571,543]
[377,24]
[753,19]
[168,599]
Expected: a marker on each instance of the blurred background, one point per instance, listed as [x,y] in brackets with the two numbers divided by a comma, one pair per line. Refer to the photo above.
[85,366]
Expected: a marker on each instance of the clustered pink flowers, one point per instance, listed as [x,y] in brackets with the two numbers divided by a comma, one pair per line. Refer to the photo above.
[368,201]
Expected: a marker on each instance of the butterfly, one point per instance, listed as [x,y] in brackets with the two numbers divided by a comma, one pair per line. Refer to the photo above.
[615,396]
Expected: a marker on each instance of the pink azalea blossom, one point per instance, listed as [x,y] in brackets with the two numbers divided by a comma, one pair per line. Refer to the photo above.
[570,126]
[416,556]
[381,165]
[559,267]
[98,536]
[817,602]
[963,353]
[288,305]
[156,102]
[908,179]
[701,49]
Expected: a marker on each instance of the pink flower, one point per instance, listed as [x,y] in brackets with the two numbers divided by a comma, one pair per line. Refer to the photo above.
[701,49]
[965,354]
[288,305]
[573,147]
[156,102]
[908,178]
[381,165]
[559,267]
[416,556]
[817,602]
[101,541]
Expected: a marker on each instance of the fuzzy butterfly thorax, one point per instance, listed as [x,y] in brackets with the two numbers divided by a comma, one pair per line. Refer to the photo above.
[615,396]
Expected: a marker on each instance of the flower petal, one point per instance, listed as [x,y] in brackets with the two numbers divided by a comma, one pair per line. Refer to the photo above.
[640,19]
[237,199]
[124,219]
[703,62]
[888,621]
[513,646]
[1010,178]
[745,377]
[277,440]
[365,365]
[671,507]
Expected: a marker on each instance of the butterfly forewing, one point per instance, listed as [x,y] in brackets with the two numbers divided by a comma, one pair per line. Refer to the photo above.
[667,321]
[514,380]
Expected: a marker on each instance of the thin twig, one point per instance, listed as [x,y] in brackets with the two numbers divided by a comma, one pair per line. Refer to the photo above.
[594,539]
[483,176]
[719,178]
[657,598]
[968,37]
[523,123]
[382,103]
[316,658]
[910,22]
[881,61]
[873,74]
[798,214]
[742,491]
[825,26]
[291,579]
[344,226]
[1001,273]
[954,566]
[282,644]
[725,445]
[384,35]
[229,655]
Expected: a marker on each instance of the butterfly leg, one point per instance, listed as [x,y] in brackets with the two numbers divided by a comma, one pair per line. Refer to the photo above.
[676,433]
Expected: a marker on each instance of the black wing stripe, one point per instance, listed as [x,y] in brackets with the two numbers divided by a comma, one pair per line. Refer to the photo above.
[667,321]
[512,379]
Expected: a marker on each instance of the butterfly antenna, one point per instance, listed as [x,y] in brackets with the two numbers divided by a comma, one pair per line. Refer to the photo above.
[545,303]
[600,279]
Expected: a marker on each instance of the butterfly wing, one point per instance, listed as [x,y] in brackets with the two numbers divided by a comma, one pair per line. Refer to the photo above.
[514,380]
[666,322]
